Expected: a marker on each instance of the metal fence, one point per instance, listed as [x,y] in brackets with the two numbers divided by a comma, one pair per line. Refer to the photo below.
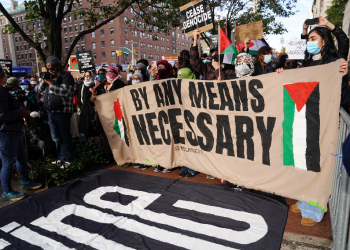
[339,202]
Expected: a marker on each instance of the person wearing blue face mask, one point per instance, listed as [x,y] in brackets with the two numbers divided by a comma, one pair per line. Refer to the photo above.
[320,49]
[262,64]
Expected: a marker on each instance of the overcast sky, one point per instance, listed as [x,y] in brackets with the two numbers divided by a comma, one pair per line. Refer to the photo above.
[293,23]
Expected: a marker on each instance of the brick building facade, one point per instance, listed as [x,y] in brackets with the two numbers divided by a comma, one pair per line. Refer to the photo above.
[103,42]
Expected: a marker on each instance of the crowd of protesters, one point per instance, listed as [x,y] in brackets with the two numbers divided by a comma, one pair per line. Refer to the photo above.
[47,104]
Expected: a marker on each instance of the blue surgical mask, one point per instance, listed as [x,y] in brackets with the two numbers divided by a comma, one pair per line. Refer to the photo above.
[312,48]
[101,77]
[24,87]
[267,59]
[138,71]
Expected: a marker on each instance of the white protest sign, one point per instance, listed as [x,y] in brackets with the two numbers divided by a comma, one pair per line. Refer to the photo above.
[296,49]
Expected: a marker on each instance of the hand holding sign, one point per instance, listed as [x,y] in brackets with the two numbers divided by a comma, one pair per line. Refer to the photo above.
[196,35]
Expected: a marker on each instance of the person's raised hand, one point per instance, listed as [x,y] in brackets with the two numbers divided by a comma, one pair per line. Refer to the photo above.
[322,21]
[305,26]
[196,34]
[153,71]
[344,67]
[246,41]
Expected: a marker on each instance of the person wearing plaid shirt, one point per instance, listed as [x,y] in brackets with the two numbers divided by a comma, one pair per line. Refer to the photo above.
[58,92]
[210,71]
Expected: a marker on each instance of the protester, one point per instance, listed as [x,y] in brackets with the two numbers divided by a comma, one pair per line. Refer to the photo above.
[105,85]
[320,49]
[210,71]
[147,76]
[137,78]
[129,76]
[163,71]
[34,87]
[58,89]
[184,62]
[12,150]
[264,57]
[86,110]
[142,69]
[244,65]
[186,73]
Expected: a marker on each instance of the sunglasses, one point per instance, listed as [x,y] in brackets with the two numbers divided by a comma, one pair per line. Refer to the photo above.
[87,76]
[161,67]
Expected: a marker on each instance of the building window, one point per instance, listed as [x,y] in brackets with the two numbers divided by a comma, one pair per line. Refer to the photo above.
[102,32]
[168,49]
[103,55]
[16,39]
[4,41]
[5,49]
[17,19]
[21,47]
[94,55]
[126,31]
[22,56]
[111,31]
[20,39]
[25,47]
[101,20]
[173,34]
[82,39]
[80,4]
[174,43]
[93,45]
[113,54]
[93,34]
[26,56]
[17,48]
[19,57]
[75,17]
[174,51]
[66,40]
[30,55]
[70,29]
[102,44]
[82,27]
[69,19]
[178,43]
[126,42]
[135,33]
[125,19]
[71,39]
[27,27]
[82,47]
[77,48]
[100,10]
[39,25]
[112,42]
[64,20]
[183,44]
[187,45]
[65,30]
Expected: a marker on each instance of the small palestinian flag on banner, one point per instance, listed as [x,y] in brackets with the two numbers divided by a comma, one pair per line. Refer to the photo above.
[119,125]
[301,125]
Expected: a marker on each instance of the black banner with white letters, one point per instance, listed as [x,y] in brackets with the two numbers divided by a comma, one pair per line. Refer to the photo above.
[112,209]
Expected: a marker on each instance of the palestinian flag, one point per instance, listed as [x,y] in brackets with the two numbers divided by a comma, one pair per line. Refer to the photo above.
[226,46]
[241,45]
[119,125]
[258,43]
[301,125]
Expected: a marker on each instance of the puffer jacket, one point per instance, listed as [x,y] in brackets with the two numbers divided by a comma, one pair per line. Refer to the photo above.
[11,116]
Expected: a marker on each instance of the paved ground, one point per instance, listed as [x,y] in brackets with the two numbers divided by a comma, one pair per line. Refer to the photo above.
[296,236]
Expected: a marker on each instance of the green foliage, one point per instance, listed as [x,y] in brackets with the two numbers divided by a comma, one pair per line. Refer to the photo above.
[334,14]
[87,153]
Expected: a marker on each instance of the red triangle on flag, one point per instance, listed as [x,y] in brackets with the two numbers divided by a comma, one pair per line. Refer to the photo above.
[224,41]
[300,92]
[117,110]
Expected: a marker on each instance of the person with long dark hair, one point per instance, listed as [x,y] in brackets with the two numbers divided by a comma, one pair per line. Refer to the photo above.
[320,49]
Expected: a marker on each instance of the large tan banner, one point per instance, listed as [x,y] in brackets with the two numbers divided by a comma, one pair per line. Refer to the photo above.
[274,133]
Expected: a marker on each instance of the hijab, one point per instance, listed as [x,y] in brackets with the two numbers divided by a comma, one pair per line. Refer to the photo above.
[111,77]
[91,82]
[242,69]
[185,73]
[164,73]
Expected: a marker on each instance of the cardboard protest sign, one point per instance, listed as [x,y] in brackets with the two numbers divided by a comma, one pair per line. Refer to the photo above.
[7,66]
[296,49]
[274,132]
[251,30]
[73,63]
[196,14]
[85,60]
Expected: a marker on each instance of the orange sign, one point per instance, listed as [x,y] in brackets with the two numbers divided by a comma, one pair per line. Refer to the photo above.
[73,64]
[170,57]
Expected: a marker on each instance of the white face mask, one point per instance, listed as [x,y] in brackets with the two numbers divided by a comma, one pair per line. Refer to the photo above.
[242,69]
[33,83]
[135,81]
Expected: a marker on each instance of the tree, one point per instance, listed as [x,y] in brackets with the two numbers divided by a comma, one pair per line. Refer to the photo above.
[154,15]
[335,13]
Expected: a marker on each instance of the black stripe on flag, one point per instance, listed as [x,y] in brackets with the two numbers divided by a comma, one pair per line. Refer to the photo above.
[313,131]
[125,133]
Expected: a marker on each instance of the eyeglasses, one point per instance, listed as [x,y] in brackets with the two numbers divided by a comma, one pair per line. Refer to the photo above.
[87,76]
[161,67]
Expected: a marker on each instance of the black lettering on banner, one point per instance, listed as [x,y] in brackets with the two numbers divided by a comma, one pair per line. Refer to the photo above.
[260,106]
[211,96]
[197,98]
[240,95]
[266,136]
[158,94]
[177,87]
[244,136]
[190,118]
[176,126]
[168,93]
[135,97]
[205,131]
[141,129]
[226,100]
[223,127]
[153,128]
[144,96]
[162,116]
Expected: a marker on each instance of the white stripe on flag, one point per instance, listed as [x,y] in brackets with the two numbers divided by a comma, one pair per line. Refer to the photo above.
[228,58]
[299,138]
[122,129]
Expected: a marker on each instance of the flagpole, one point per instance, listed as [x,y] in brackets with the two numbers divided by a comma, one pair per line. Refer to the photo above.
[219,52]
